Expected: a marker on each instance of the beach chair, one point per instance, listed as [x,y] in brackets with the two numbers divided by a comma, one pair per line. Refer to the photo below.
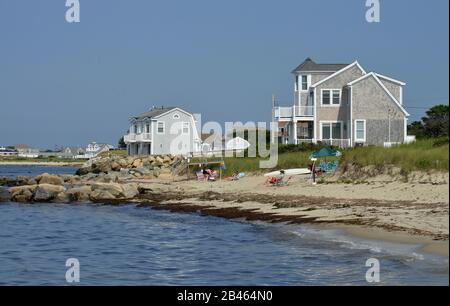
[200,176]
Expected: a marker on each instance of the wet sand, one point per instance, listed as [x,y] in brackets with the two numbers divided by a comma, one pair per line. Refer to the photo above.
[413,213]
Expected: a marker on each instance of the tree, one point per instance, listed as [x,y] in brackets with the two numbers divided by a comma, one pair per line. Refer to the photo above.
[436,121]
[417,129]
[121,143]
[434,124]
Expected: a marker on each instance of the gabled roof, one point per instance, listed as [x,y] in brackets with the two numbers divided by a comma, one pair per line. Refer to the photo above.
[309,66]
[390,79]
[355,63]
[377,79]
[154,112]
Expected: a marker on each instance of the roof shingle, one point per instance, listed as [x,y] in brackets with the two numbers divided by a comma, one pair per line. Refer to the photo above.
[310,65]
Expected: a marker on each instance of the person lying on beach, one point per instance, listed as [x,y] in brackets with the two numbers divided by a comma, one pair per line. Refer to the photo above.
[236,176]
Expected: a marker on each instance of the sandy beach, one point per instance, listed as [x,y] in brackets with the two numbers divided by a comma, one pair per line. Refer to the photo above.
[408,212]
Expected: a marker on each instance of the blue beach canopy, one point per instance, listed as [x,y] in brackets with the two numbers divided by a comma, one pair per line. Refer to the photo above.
[325,152]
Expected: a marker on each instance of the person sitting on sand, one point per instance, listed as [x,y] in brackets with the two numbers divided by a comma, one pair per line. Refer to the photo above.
[275,180]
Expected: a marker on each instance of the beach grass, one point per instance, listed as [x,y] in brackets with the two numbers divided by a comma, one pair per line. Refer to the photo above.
[422,155]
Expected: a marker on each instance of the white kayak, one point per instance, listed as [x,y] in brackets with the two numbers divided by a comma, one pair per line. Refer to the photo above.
[299,171]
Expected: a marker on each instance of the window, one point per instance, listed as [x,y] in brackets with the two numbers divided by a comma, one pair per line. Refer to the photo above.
[185,128]
[331,130]
[135,130]
[176,116]
[147,128]
[304,82]
[360,130]
[331,97]
[326,97]
[160,127]
[296,83]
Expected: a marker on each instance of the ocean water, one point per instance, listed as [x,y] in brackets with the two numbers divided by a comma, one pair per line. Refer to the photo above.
[126,245]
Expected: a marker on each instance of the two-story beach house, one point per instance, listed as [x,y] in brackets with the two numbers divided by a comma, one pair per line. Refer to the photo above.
[163,130]
[342,105]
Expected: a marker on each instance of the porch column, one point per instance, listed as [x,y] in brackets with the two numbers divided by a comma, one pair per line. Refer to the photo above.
[295,132]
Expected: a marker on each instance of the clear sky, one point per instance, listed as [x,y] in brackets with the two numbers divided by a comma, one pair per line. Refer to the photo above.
[69,84]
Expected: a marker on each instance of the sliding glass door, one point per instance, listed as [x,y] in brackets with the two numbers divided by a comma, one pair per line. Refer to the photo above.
[331,130]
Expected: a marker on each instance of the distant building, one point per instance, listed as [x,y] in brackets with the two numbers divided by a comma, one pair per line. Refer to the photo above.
[93,149]
[7,152]
[26,151]
[71,152]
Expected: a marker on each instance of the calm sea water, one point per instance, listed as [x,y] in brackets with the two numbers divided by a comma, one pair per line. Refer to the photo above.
[130,245]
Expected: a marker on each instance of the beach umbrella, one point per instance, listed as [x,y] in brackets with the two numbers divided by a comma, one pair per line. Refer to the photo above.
[325,152]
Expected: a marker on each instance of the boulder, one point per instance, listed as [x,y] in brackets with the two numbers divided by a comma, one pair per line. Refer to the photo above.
[167,159]
[137,163]
[79,194]
[83,171]
[62,197]
[25,180]
[123,163]
[115,166]
[5,195]
[156,172]
[101,195]
[111,188]
[100,166]
[141,170]
[50,179]
[23,194]
[47,192]
[130,190]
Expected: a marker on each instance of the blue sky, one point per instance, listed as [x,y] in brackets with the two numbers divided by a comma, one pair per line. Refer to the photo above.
[68,84]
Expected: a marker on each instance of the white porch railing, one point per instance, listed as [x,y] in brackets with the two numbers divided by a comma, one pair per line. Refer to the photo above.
[303,111]
[129,138]
[142,137]
[282,112]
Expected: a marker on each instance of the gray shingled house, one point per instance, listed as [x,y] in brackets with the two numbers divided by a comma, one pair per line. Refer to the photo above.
[342,105]
[163,130]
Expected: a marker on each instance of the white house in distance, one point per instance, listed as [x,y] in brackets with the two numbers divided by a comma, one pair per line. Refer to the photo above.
[163,130]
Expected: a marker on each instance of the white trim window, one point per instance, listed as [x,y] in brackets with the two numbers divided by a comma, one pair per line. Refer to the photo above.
[305,83]
[185,128]
[160,127]
[297,78]
[147,128]
[331,97]
[331,130]
[360,130]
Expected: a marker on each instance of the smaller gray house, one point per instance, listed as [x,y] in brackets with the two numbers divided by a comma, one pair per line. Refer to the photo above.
[163,130]
[342,105]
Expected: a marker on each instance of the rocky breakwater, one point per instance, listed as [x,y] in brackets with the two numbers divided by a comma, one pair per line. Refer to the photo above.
[99,180]
[137,166]
[47,188]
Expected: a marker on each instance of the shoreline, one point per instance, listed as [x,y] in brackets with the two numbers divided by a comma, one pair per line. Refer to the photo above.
[40,163]
[425,244]
[404,212]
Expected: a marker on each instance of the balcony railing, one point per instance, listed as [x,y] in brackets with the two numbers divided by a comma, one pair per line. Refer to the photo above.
[293,111]
[142,137]
[303,111]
